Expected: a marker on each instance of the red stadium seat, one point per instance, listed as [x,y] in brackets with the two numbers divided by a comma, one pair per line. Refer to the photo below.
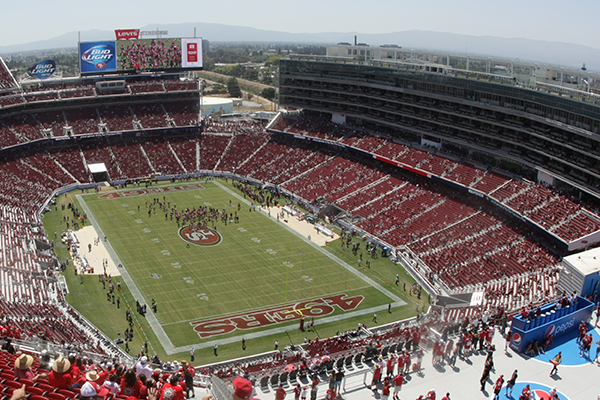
[35,390]
[55,396]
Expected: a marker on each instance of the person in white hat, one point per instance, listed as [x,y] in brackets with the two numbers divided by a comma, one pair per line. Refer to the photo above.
[91,390]
[143,367]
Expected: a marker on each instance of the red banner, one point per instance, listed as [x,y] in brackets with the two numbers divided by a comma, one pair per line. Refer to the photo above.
[127,34]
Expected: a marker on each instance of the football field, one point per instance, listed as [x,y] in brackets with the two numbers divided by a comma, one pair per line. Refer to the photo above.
[249,278]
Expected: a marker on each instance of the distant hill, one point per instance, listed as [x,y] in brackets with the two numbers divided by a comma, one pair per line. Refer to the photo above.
[558,53]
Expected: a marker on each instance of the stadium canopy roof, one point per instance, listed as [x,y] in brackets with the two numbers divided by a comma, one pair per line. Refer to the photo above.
[586,262]
[97,168]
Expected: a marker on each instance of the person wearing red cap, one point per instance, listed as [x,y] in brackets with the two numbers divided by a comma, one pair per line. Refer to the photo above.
[242,389]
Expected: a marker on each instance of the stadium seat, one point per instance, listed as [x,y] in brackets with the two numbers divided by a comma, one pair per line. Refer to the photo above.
[264,382]
[35,390]
[55,396]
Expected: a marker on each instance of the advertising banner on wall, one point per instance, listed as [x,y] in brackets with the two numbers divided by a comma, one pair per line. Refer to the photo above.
[192,53]
[125,34]
[42,70]
[97,57]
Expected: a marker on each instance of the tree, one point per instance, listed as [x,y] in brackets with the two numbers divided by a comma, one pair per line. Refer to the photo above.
[233,87]
[268,93]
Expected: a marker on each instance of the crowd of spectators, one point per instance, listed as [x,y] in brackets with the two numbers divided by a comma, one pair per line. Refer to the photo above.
[7,80]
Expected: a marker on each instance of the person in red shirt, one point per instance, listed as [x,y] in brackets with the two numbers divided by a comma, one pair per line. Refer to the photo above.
[280,393]
[23,370]
[60,377]
[446,397]
[398,381]
[498,387]
[171,390]
[385,392]
[297,391]
[376,378]
[330,395]
[91,376]
[431,395]
[508,339]
[130,385]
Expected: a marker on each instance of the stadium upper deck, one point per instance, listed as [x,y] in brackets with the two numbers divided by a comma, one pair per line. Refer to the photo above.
[548,133]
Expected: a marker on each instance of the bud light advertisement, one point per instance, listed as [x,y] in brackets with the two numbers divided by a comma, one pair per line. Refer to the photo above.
[42,70]
[97,57]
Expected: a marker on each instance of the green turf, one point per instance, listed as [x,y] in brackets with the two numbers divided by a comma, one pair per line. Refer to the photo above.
[258,265]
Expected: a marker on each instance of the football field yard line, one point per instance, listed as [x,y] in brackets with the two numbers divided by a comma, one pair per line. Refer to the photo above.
[249,310]
[160,333]
[331,256]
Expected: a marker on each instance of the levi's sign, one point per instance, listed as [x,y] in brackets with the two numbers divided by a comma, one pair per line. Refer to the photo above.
[127,34]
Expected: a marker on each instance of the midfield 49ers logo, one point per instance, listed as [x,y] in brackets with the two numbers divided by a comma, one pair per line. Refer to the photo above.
[200,236]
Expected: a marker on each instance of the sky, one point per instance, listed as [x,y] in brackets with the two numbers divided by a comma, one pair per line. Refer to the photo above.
[571,21]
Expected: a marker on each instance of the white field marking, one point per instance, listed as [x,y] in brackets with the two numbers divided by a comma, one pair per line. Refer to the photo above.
[242,230]
[160,333]
[139,221]
[324,273]
[256,240]
[247,311]
[202,296]
[146,230]
[125,205]
[165,252]
[188,279]
[288,264]
[130,212]
[271,252]
[197,196]
[155,240]
[176,265]
[206,203]
[318,248]
[235,291]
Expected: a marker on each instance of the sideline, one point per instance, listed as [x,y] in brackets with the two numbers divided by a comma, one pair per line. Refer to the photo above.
[135,292]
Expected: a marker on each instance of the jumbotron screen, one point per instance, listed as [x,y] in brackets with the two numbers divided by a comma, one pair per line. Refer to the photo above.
[122,56]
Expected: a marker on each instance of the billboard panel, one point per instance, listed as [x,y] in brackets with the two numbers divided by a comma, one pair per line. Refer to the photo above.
[127,34]
[149,54]
[192,53]
[135,55]
[42,70]
[97,57]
